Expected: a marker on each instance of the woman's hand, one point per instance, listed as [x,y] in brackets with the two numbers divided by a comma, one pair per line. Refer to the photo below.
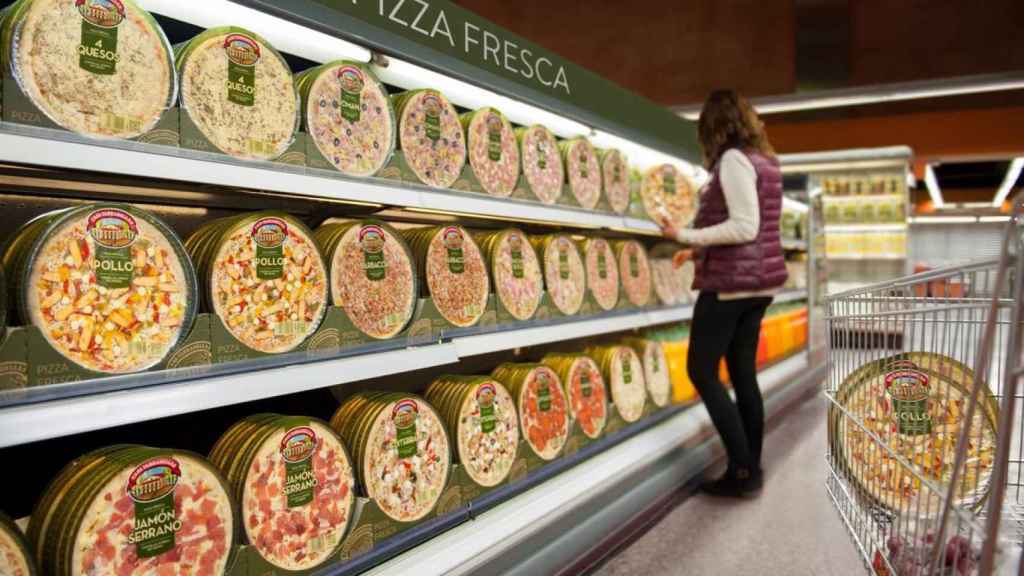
[681,257]
[668,230]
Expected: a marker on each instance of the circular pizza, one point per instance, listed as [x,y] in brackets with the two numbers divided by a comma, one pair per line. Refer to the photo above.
[910,409]
[372,275]
[239,93]
[543,410]
[264,278]
[583,170]
[493,151]
[96,67]
[108,285]
[430,135]
[482,418]
[542,162]
[349,116]
[454,271]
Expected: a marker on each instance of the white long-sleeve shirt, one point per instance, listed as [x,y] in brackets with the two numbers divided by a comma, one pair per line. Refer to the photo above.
[739,186]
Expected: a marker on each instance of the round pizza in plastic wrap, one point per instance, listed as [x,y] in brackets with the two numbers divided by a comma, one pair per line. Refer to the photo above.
[453,270]
[615,180]
[565,275]
[264,277]
[542,162]
[915,403]
[543,409]
[431,137]
[102,68]
[135,511]
[349,116]
[109,286]
[239,92]
[493,151]
[583,171]
[668,195]
[401,450]
[372,275]
[518,280]
[294,481]
[602,272]
[634,271]
[584,388]
[481,417]
[624,376]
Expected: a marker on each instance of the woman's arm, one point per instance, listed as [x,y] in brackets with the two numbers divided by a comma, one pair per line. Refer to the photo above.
[739,184]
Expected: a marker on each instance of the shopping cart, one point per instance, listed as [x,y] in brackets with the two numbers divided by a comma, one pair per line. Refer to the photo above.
[925,457]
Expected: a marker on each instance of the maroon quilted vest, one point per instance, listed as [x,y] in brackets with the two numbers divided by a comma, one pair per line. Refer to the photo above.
[756,265]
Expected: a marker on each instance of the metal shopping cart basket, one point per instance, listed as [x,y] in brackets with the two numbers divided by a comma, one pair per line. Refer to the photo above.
[925,457]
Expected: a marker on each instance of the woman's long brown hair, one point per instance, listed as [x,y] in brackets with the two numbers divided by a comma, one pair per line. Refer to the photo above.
[727,121]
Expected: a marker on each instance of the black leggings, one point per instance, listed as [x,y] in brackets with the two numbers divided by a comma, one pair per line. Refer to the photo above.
[730,328]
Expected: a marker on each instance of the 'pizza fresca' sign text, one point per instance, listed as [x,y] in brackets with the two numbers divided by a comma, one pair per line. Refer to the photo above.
[475,41]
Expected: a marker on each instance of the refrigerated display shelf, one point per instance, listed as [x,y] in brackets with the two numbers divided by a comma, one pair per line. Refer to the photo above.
[867,257]
[790,296]
[880,227]
[54,149]
[788,244]
[502,520]
[103,408]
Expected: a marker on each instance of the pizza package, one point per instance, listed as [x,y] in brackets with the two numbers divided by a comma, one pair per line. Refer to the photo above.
[482,421]
[543,409]
[584,389]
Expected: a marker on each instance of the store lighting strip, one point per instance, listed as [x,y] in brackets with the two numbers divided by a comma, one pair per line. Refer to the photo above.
[409,76]
[958,219]
[313,45]
[932,183]
[1012,174]
[879,94]
[284,35]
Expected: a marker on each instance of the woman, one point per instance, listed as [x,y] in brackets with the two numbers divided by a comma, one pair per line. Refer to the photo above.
[739,267]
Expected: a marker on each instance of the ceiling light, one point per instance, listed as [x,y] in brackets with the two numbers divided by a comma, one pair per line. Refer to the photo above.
[282,34]
[933,187]
[878,94]
[409,76]
[1012,174]
[993,219]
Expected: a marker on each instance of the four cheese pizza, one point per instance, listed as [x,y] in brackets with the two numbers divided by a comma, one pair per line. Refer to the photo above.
[239,93]
[96,67]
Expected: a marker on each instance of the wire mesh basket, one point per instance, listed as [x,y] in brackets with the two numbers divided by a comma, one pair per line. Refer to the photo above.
[925,457]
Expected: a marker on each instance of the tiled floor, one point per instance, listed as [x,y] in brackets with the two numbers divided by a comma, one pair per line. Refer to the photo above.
[791,529]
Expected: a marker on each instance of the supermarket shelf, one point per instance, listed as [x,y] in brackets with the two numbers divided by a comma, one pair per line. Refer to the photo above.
[868,257]
[790,296]
[893,227]
[548,333]
[788,244]
[54,149]
[478,546]
[21,424]
[106,409]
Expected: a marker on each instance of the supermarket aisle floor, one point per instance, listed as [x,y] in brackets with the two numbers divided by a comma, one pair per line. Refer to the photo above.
[792,529]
